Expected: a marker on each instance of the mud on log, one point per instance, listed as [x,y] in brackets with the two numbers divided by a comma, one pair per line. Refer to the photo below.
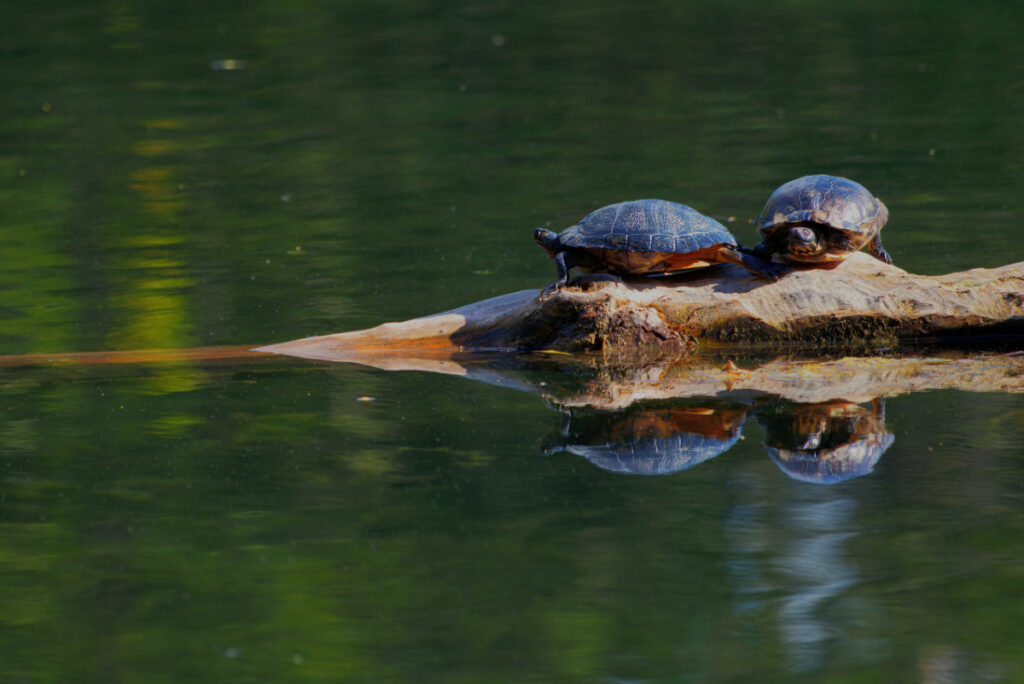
[862,301]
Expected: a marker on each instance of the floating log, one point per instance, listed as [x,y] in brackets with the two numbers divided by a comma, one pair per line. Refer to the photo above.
[862,302]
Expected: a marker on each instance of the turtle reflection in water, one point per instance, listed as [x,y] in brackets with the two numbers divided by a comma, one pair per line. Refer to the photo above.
[651,441]
[825,443]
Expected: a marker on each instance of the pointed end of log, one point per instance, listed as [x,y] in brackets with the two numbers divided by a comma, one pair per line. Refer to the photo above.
[481,326]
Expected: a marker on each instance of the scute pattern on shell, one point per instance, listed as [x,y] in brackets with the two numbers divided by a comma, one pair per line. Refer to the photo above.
[654,456]
[832,201]
[647,226]
[842,463]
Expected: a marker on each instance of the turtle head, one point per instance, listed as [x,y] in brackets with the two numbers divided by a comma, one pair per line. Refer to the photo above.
[547,240]
[803,243]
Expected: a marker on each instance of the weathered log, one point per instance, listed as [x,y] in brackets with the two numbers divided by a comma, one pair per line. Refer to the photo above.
[860,303]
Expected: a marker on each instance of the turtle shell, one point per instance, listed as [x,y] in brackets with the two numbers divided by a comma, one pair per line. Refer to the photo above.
[653,441]
[831,201]
[654,455]
[647,236]
[825,443]
[829,466]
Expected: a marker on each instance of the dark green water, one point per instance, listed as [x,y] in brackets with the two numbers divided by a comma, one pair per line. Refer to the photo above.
[254,521]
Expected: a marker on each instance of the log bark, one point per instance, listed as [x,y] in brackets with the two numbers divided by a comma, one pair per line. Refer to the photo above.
[862,303]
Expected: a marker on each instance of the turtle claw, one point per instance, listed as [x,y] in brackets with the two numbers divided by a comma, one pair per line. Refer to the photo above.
[550,289]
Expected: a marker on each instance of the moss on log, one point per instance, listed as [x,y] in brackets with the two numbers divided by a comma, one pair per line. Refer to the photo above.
[862,302]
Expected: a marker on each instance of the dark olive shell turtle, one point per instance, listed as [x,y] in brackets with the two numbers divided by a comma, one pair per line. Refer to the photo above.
[819,220]
[644,237]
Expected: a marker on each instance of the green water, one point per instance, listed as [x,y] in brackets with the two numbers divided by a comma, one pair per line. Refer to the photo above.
[255,521]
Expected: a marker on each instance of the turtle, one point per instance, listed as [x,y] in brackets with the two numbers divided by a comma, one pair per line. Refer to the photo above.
[821,220]
[651,441]
[645,237]
[825,443]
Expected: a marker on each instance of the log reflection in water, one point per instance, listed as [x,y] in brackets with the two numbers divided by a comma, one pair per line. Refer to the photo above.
[589,380]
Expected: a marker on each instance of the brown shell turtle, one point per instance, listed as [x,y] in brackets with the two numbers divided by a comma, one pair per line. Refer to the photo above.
[825,443]
[820,220]
[644,237]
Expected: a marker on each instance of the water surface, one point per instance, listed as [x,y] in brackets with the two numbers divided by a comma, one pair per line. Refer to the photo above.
[281,520]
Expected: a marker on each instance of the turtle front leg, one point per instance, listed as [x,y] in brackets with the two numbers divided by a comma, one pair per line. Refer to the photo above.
[761,250]
[878,408]
[565,261]
[756,265]
[876,250]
